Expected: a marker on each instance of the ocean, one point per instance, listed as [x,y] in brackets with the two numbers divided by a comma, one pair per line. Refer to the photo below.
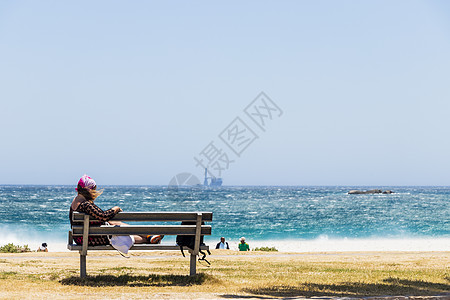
[298,219]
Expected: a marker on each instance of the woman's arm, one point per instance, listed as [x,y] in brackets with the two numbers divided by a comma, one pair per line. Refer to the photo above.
[95,211]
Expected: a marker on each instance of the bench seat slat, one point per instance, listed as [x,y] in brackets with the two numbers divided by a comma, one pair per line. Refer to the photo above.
[75,247]
[143,230]
[152,216]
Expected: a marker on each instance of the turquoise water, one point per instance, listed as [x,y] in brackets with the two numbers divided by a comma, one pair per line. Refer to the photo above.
[258,213]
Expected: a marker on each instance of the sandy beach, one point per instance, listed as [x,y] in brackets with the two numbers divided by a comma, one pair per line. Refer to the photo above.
[251,275]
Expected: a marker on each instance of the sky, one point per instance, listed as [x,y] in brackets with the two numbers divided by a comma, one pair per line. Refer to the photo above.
[357,93]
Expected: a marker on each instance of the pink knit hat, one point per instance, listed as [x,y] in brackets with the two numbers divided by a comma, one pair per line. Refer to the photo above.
[87,182]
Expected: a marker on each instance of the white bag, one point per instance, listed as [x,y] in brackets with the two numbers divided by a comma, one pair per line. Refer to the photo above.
[121,243]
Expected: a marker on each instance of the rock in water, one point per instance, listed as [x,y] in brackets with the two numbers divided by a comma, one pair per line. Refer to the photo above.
[357,192]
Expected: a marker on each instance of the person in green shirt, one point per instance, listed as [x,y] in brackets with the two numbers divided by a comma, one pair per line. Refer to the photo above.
[243,246]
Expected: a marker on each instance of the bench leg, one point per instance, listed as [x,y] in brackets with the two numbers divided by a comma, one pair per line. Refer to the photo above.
[82,266]
[193,265]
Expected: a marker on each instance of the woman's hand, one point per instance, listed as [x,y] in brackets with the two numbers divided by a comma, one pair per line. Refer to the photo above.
[117,209]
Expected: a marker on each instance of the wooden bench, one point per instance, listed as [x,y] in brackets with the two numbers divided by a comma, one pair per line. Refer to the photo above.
[81,228]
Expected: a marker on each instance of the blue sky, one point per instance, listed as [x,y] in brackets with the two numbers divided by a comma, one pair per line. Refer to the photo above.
[129,93]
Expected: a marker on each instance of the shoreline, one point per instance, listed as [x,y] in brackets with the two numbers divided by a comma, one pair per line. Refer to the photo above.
[154,255]
[321,244]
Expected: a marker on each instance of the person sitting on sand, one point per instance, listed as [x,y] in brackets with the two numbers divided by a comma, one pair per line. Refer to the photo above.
[42,248]
[243,246]
[222,244]
[84,202]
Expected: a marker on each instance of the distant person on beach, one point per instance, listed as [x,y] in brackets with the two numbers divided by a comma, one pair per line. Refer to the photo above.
[84,202]
[42,248]
[222,244]
[243,246]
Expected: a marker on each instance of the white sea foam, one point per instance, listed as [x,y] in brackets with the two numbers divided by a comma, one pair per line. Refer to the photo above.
[324,244]
[321,244]
[27,236]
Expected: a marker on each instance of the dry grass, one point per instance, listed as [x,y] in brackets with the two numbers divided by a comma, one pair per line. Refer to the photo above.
[232,274]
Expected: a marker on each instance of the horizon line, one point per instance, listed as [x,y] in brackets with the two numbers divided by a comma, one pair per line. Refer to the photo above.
[224,186]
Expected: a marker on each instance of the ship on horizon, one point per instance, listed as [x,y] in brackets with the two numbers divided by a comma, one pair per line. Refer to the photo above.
[213,181]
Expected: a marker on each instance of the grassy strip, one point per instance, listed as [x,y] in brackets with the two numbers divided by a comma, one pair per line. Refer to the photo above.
[267,249]
[11,248]
[258,275]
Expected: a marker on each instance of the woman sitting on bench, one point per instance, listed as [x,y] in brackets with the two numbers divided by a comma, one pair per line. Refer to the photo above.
[84,202]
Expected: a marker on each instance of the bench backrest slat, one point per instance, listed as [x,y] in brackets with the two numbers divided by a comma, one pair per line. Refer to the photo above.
[152,216]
